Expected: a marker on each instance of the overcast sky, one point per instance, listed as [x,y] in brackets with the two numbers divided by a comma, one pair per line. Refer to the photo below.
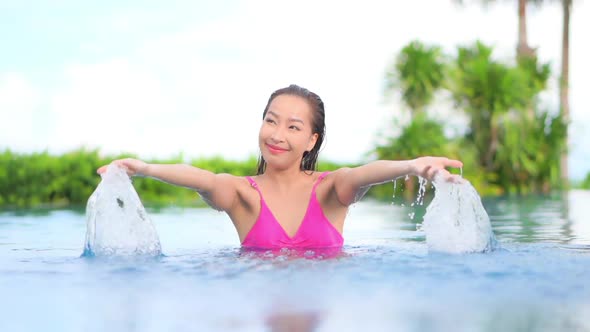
[157,78]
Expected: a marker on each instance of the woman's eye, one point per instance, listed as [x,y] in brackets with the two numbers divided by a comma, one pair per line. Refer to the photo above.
[270,120]
[294,127]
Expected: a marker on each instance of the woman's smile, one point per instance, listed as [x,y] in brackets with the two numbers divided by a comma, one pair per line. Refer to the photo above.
[275,149]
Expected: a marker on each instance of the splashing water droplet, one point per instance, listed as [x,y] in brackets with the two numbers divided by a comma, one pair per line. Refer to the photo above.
[117,223]
[456,221]
[421,190]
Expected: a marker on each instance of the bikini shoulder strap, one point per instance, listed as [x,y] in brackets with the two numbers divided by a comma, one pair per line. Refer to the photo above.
[253,184]
[320,178]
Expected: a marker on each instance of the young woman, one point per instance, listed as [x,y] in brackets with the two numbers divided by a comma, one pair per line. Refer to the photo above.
[287,204]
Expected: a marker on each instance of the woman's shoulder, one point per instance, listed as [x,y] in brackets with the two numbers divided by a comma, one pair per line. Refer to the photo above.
[339,172]
[327,179]
[229,181]
[240,180]
[229,185]
[330,174]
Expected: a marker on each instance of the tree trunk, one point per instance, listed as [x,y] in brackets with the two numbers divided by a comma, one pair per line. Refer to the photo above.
[564,85]
[523,48]
[493,146]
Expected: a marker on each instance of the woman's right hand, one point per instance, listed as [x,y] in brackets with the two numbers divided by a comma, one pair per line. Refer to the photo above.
[430,167]
[133,167]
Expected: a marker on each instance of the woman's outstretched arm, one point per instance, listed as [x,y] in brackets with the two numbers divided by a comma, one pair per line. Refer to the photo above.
[349,182]
[218,190]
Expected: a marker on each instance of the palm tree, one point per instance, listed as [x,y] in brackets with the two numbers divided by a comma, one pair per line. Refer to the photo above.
[564,106]
[522,47]
[418,71]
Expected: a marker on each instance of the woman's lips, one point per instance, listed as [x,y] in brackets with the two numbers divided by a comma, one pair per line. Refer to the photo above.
[275,149]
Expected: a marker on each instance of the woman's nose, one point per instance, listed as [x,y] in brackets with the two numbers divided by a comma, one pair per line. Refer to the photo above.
[278,135]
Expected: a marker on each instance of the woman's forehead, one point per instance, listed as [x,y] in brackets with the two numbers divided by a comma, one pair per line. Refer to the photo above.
[288,105]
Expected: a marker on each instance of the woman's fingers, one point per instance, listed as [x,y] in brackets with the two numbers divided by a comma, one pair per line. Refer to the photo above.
[425,171]
[440,173]
[454,163]
[101,169]
[125,164]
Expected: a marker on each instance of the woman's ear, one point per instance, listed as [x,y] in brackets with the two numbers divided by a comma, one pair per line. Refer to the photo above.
[312,141]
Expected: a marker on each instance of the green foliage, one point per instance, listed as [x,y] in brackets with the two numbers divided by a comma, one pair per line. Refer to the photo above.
[537,73]
[325,165]
[483,86]
[422,136]
[418,72]
[156,192]
[586,183]
[486,90]
[511,146]
[41,179]
[38,178]
[528,158]
[514,140]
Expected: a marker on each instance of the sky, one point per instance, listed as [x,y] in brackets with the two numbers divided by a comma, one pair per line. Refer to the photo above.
[158,79]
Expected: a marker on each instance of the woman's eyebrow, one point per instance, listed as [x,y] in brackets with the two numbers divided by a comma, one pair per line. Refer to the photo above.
[291,119]
[295,119]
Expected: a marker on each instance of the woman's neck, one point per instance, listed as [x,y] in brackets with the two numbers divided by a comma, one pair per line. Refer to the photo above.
[286,176]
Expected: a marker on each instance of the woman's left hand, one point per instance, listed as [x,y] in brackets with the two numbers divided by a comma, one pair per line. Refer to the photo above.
[431,167]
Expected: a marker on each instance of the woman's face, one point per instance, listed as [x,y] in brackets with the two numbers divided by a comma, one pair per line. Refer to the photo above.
[286,131]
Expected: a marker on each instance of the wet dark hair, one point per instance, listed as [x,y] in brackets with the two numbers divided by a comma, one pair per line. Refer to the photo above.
[310,158]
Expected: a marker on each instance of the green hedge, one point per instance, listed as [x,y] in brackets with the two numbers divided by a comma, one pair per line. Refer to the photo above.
[40,179]
[45,180]
[586,183]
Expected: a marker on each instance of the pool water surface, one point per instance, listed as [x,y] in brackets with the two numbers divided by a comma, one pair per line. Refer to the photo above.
[383,280]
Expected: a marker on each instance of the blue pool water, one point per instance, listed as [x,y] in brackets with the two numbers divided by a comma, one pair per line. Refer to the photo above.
[385,279]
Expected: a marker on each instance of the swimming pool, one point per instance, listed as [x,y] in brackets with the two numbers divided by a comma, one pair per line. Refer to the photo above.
[384,280]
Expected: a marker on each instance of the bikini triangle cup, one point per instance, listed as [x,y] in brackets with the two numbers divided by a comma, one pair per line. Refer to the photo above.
[315,230]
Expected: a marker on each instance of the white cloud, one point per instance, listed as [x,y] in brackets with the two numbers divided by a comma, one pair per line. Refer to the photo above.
[116,106]
[18,103]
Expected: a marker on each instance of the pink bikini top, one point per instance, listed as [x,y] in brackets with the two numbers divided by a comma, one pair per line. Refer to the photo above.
[315,231]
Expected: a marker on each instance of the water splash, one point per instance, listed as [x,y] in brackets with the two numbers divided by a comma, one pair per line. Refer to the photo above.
[117,223]
[419,197]
[421,190]
[456,221]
